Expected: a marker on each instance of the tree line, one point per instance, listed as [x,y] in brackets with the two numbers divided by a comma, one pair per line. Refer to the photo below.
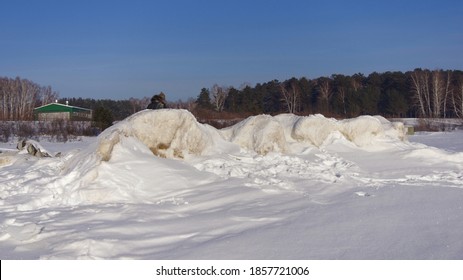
[19,97]
[418,93]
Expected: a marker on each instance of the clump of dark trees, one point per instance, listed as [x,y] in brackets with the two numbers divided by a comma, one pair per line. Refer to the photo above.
[419,93]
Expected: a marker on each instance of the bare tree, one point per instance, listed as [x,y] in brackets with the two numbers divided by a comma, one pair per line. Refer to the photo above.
[219,94]
[432,91]
[4,98]
[135,105]
[190,104]
[324,85]
[438,93]
[426,92]
[457,100]
[18,97]
[342,98]
[138,104]
[47,96]
[448,91]
[28,93]
[357,81]
[291,96]
[418,88]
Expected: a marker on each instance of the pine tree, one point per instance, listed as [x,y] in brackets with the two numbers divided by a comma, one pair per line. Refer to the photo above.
[103,117]
[204,99]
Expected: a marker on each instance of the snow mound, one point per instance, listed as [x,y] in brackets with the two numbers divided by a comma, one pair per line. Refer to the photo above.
[123,157]
[262,134]
[177,134]
[167,133]
[134,148]
[362,131]
[131,159]
[394,130]
[314,129]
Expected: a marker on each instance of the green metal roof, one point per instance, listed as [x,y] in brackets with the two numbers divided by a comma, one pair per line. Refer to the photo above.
[57,107]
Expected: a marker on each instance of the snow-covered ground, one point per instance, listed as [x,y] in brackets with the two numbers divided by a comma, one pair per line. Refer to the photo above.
[159,185]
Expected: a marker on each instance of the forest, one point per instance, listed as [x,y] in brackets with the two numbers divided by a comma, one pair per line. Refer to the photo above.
[419,93]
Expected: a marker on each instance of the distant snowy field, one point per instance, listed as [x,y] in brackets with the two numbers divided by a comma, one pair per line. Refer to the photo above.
[159,185]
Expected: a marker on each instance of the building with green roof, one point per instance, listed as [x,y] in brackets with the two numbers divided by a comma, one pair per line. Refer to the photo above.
[58,111]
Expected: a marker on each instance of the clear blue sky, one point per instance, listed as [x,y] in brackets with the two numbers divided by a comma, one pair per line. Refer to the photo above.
[122,49]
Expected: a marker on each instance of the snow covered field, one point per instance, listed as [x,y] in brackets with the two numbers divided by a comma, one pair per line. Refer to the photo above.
[283,187]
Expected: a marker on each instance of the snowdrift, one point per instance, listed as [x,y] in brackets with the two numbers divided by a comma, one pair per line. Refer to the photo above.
[261,134]
[167,133]
[264,133]
[125,164]
[362,131]
[177,134]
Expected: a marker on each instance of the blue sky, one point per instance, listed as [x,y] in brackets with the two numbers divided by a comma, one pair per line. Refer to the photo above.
[122,49]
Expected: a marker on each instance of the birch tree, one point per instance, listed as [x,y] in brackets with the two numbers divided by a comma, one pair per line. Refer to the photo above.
[19,97]
[457,99]
[448,91]
[438,93]
[291,96]
[432,91]
[421,87]
[47,96]
[219,95]
[325,91]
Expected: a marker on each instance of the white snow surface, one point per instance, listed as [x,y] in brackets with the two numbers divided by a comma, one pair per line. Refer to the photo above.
[160,185]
